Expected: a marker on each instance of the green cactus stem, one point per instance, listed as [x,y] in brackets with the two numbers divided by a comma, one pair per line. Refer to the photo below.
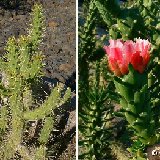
[135,100]
[21,67]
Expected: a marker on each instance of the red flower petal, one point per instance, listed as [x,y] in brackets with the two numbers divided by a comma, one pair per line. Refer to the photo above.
[116,53]
[120,54]
[123,68]
[137,62]
[128,49]
[114,67]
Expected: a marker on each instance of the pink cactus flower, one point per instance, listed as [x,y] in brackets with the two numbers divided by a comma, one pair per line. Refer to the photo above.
[121,54]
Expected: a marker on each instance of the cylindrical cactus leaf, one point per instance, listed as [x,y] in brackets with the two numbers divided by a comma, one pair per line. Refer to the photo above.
[135,99]
[3,118]
[123,89]
[131,118]
[113,33]
[40,153]
[47,128]
[123,103]
[45,109]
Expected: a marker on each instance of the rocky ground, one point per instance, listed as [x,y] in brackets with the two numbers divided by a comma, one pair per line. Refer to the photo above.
[59,48]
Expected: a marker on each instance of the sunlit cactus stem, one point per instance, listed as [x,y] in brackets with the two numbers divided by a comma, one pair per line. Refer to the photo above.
[135,100]
[21,67]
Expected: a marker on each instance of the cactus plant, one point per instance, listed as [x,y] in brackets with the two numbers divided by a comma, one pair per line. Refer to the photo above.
[94,99]
[21,68]
[128,21]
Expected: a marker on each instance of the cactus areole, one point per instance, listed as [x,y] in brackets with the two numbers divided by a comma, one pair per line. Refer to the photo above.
[121,54]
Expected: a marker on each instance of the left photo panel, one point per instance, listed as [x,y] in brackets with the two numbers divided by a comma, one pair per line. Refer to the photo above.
[38,79]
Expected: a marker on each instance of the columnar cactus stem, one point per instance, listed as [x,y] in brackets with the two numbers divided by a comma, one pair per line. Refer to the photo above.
[20,70]
[135,100]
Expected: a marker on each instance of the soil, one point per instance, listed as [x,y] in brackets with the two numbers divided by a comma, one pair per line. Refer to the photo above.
[59,48]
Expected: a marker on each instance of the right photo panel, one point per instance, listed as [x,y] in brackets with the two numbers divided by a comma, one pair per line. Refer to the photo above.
[119,73]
